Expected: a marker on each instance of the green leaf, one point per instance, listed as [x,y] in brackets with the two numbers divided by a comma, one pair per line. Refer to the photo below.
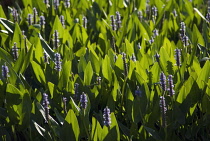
[65,73]
[27,3]
[38,72]
[96,130]
[7,24]
[59,116]
[70,128]
[106,69]
[204,75]
[153,133]
[46,47]
[42,131]
[199,13]
[88,74]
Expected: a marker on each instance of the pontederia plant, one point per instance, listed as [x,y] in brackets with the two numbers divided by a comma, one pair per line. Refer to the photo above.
[15,51]
[46,2]
[84,22]
[113,23]
[157,57]
[163,111]
[30,19]
[113,44]
[34,15]
[185,40]
[98,80]
[15,15]
[139,45]
[133,57]
[76,91]
[56,4]
[57,62]
[140,15]
[56,39]
[118,20]
[107,117]
[46,58]
[163,81]
[138,92]
[46,107]
[154,13]
[64,105]
[5,71]
[178,57]
[67,3]
[42,21]
[62,20]
[155,33]
[125,64]
[182,30]
[83,100]
[175,13]
[171,85]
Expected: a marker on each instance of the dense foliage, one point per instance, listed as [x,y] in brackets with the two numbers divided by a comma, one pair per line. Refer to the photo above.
[105,70]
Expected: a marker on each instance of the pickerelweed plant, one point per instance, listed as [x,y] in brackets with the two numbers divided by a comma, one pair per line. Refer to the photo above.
[85,70]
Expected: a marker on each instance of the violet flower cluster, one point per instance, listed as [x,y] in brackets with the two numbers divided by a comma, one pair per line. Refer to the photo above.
[83,100]
[57,62]
[5,71]
[46,106]
[107,117]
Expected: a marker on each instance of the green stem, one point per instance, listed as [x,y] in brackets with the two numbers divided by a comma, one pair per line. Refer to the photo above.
[123,92]
[89,138]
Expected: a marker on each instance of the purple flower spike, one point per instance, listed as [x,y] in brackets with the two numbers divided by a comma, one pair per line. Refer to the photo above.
[57,62]
[46,108]
[163,81]
[118,20]
[125,64]
[106,116]
[113,24]
[30,19]
[83,100]
[178,57]
[42,21]
[171,85]
[5,71]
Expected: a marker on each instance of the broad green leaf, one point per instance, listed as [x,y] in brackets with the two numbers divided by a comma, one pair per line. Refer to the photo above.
[204,75]
[70,128]
[95,62]
[96,130]
[185,89]
[39,52]
[88,74]
[46,47]
[65,73]
[106,69]
[82,64]
[38,72]
[2,14]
